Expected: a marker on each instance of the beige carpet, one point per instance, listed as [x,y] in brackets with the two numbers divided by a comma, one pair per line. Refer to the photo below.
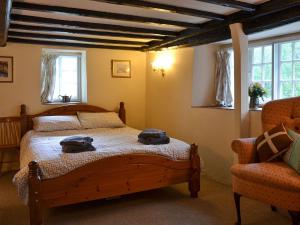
[168,206]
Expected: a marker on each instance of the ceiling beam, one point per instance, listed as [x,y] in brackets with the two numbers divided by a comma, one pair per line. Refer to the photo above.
[82,31]
[232,4]
[88,25]
[165,7]
[265,9]
[5,10]
[78,45]
[74,38]
[271,21]
[98,14]
[209,37]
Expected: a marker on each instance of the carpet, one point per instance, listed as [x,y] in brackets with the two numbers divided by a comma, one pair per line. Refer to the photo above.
[166,206]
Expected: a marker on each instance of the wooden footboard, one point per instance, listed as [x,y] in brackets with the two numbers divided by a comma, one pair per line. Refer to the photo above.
[110,177]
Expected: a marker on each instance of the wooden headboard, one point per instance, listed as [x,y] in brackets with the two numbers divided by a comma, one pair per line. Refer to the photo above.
[27,123]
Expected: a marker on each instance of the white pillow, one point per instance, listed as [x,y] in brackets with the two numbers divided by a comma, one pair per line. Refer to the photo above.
[55,123]
[100,120]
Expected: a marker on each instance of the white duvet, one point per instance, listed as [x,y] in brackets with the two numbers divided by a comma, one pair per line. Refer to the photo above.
[44,148]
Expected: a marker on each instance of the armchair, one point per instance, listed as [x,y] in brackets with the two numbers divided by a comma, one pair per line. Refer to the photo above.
[273,183]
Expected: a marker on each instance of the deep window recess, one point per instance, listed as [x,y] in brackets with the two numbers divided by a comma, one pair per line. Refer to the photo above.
[63,75]
[277,67]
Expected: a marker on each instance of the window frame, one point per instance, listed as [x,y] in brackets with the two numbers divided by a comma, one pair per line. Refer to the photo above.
[81,74]
[276,63]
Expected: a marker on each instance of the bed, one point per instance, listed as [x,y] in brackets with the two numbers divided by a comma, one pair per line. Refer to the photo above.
[138,168]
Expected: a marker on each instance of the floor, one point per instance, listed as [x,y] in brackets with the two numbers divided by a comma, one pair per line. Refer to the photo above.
[168,206]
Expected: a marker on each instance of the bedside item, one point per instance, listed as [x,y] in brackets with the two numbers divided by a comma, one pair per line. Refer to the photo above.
[273,143]
[121,68]
[6,69]
[292,156]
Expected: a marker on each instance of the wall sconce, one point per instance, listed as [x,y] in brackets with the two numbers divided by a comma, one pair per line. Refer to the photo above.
[163,62]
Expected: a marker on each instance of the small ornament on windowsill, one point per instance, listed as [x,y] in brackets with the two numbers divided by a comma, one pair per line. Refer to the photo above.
[255,92]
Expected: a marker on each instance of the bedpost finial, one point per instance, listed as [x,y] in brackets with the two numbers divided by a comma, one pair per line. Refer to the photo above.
[122,113]
[23,110]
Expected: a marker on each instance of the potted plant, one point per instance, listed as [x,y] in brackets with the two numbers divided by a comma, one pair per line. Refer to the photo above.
[255,92]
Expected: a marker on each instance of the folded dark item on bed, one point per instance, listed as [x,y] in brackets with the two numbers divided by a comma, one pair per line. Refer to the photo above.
[153,137]
[77,144]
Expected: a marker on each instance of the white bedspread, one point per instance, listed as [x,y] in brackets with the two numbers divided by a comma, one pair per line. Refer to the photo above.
[44,148]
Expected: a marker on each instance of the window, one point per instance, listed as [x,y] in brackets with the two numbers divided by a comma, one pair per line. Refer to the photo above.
[63,75]
[277,67]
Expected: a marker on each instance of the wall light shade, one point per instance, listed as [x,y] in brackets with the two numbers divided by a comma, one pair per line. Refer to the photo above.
[162,62]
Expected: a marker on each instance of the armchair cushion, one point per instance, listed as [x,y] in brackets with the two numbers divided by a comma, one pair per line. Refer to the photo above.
[292,156]
[273,143]
[275,174]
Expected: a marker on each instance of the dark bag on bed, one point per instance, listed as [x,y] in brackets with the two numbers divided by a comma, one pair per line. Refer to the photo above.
[77,144]
[153,137]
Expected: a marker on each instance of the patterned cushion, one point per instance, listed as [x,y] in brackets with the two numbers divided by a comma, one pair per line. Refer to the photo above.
[100,120]
[275,174]
[292,156]
[55,123]
[273,143]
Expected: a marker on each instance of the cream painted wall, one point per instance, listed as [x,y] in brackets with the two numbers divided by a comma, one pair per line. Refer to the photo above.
[168,106]
[203,75]
[103,90]
[255,123]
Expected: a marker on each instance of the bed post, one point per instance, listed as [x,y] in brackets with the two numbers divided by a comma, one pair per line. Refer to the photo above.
[194,182]
[23,121]
[34,180]
[122,112]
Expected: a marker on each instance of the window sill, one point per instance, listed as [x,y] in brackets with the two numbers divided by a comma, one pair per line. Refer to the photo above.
[255,110]
[214,107]
[63,103]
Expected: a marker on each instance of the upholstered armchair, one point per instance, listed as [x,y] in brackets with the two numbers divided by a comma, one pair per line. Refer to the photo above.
[273,183]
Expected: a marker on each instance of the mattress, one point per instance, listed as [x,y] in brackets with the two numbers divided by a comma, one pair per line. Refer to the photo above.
[44,148]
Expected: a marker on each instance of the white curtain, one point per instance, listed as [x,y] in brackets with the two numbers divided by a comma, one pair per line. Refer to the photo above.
[223,81]
[48,76]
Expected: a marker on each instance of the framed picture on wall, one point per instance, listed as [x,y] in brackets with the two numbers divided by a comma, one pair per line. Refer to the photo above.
[121,68]
[6,69]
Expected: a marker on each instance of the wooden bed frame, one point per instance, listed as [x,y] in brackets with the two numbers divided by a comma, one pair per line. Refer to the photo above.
[108,177]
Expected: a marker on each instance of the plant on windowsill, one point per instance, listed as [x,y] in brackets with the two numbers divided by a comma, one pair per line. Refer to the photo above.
[255,92]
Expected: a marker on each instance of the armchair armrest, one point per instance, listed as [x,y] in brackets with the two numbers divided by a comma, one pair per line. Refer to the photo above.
[245,148]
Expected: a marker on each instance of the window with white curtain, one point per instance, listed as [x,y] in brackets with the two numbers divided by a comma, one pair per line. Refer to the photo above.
[63,74]
[277,67]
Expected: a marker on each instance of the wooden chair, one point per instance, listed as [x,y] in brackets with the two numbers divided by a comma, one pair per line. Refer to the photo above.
[274,183]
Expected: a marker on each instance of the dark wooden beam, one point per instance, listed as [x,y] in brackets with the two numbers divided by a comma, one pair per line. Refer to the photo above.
[82,31]
[232,4]
[206,38]
[78,45]
[165,7]
[272,21]
[265,9]
[5,9]
[98,14]
[88,25]
[74,38]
